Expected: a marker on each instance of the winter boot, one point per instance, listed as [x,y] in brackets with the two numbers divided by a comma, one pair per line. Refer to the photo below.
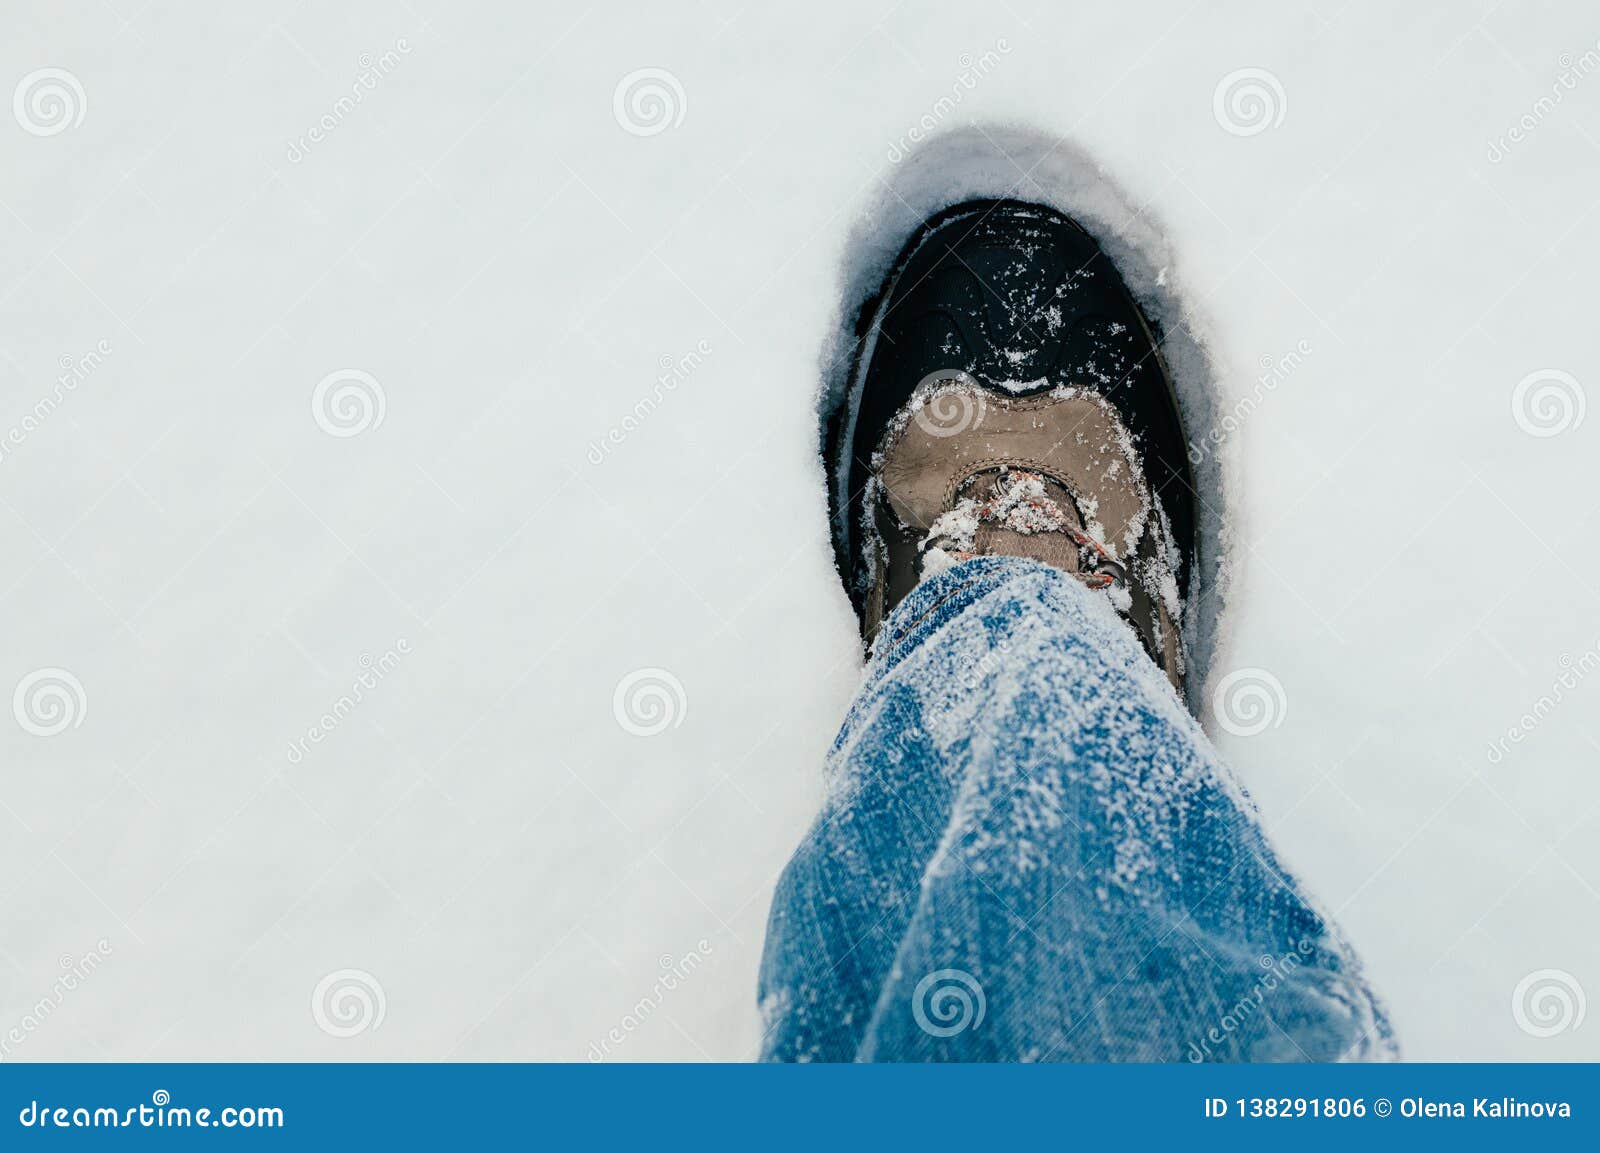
[1009,398]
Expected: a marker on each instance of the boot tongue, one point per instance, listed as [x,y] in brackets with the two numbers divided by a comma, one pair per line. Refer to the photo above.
[1028,514]
[1009,513]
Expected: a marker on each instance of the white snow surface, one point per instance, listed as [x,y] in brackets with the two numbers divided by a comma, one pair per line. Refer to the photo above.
[566,595]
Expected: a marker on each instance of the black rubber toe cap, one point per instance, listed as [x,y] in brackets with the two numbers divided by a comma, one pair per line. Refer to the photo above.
[1023,299]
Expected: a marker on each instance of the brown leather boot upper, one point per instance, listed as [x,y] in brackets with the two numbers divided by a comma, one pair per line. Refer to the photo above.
[971,471]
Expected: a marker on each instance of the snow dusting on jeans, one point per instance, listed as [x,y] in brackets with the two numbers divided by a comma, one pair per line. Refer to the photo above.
[1030,851]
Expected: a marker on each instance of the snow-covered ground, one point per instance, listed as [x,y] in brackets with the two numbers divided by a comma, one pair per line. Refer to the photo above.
[441,379]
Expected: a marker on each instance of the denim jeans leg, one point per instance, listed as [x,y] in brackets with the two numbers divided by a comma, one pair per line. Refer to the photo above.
[1029,850]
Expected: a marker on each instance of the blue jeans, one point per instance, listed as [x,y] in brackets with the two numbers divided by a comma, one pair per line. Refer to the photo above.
[1030,851]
